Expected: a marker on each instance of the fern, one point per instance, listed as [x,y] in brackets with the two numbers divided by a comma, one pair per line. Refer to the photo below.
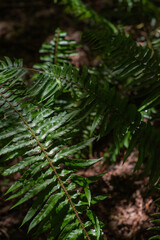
[40,136]
[43,122]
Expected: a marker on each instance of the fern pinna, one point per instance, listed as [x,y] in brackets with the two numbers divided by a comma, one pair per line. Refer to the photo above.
[41,137]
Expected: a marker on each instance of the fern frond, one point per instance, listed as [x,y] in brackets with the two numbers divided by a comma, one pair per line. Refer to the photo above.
[136,64]
[40,137]
[133,66]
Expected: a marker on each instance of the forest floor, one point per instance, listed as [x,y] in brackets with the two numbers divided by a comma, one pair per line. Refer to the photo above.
[126,212]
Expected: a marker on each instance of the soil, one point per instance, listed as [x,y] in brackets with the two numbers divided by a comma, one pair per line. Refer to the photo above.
[24,26]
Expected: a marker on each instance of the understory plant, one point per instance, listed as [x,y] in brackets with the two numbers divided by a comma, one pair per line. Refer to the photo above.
[52,118]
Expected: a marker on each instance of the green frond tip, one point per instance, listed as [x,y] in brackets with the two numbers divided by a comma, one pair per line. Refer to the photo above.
[58,51]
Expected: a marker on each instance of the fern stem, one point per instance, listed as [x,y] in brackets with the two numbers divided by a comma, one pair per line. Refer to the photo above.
[52,74]
[51,165]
